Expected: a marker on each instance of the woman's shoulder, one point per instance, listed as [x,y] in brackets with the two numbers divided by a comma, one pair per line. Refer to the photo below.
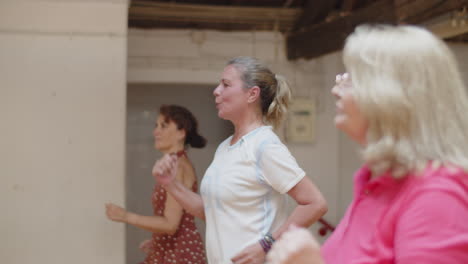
[445,178]
[185,164]
[264,136]
[183,161]
[224,143]
[187,170]
[268,146]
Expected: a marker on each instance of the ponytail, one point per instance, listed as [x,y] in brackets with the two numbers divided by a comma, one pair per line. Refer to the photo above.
[195,140]
[279,106]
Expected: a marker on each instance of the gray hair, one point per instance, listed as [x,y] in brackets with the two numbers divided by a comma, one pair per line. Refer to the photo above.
[275,93]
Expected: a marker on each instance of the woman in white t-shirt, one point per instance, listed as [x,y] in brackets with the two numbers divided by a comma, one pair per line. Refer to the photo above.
[243,191]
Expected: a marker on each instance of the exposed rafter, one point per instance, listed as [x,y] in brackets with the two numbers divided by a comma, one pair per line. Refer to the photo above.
[349,5]
[211,16]
[453,26]
[330,36]
[312,27]
[417,11]
[315,11]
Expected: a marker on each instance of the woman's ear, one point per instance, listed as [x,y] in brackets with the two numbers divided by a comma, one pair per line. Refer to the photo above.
[181,134]
[254,94]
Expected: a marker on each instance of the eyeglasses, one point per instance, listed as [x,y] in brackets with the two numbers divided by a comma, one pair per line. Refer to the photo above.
[343,81]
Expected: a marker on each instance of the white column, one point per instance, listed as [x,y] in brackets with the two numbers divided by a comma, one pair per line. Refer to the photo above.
[62,139]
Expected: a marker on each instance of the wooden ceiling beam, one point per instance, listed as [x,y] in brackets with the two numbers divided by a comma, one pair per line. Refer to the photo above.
[314,11]
[446,30]
[330,36]
[162,12]
[349,5]
[418,11]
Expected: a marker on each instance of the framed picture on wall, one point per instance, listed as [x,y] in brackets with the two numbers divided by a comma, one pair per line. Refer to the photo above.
[301,121]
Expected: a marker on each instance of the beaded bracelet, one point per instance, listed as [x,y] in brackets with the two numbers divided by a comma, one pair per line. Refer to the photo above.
[266,242]
[264,245]
[269,238]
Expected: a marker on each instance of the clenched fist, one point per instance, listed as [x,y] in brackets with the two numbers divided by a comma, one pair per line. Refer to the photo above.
[296,246]
[165,169]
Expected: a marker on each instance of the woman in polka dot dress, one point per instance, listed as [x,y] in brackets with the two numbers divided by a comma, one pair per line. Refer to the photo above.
[184,246]
[175,239]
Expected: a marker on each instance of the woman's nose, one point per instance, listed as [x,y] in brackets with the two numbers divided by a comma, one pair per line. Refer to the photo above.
[217,90]
[336,91]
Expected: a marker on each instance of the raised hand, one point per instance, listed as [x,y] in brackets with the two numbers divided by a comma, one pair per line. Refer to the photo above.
[115,213]
[296,246]
[165,169]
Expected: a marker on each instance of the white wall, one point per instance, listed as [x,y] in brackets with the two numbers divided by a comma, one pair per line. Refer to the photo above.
[62,112]
[461,53]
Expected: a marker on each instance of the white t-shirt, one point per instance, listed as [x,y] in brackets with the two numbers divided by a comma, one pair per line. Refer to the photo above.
[244,192]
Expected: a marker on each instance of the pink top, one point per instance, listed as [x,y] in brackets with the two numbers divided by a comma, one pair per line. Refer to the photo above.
[418,219]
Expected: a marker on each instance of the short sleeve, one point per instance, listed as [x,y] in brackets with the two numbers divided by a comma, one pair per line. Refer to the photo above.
[278,168]
[433,228]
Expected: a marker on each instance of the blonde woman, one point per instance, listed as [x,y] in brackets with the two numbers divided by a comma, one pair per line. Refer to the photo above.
[243,192]
[404,102]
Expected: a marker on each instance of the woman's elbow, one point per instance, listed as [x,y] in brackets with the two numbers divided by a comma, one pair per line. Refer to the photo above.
[322,207]
[172,229]
[200,214]
[169,227]
[319,207]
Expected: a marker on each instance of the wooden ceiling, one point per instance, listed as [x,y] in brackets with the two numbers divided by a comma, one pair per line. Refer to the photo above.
[230,15]
[312,27]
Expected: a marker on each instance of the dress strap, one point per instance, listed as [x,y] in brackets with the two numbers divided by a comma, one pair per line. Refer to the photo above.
[180,153]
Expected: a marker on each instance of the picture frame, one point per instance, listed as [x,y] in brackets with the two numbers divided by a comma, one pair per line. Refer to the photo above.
[301,121]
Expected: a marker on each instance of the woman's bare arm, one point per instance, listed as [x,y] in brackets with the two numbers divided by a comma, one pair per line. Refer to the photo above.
[167,223]
[164,172]
[311,205]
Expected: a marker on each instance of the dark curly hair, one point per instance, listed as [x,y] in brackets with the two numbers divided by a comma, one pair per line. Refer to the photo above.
[185,120]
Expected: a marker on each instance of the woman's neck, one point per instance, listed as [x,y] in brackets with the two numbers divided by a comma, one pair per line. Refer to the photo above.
[173,149]
[246,125]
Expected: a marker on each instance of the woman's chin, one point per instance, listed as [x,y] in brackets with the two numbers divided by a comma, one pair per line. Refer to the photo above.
[222,115]
[342,125]
[157,147]
[340,122]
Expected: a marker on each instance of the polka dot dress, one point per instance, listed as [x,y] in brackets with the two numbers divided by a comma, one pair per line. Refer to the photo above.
[184,247]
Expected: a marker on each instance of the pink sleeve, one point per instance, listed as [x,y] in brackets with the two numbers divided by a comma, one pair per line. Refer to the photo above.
[433,228]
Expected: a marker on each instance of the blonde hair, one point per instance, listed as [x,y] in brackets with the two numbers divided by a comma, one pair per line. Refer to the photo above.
[275,93]
[407,84]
